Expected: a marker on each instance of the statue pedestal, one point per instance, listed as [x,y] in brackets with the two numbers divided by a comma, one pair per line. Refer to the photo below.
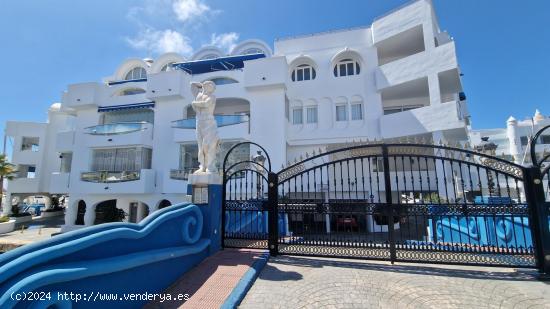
[206,192]
[204,179]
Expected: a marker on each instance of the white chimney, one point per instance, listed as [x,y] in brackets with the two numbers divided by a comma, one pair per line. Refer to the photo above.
[513,139]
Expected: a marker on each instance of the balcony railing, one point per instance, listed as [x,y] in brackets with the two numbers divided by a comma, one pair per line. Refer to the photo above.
[110,177]
[221,120]
[181,174]
[117,128]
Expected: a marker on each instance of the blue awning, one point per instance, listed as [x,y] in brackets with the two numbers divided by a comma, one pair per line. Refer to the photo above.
[217,64]
[150,104]
[118,82]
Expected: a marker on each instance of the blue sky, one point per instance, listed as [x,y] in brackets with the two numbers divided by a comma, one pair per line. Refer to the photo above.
[503,46]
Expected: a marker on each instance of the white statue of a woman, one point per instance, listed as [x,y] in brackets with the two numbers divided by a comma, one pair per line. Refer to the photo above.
[207,129]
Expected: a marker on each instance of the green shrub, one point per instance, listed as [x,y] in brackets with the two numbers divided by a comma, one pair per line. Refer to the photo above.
[4,219]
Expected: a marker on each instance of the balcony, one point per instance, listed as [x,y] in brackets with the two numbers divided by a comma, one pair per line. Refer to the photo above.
[64,141]
[59,183]
[445,116]
[175,180]
[168,85]
[81,95]
[109,177]
[142,181]
[442,58]
[399,19]
[117,134]
[181,174]
[229,127]
[27,157]
[24,185]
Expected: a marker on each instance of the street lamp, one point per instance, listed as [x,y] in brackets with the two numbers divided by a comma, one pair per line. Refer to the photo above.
[259,159]
[488,148]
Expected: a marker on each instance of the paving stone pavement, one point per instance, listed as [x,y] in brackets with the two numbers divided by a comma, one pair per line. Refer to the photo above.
[303,282]
[210,283]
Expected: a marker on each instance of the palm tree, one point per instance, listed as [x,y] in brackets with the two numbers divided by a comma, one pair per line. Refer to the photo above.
[7,171]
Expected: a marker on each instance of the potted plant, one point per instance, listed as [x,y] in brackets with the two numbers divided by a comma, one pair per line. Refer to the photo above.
[6,225]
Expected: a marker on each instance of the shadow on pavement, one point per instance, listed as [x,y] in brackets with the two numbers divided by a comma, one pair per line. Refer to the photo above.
[433,270]
[272,273]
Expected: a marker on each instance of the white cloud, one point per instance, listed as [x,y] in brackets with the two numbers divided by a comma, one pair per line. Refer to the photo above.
[182,21]
[185,10]
[225,41]
[162,41]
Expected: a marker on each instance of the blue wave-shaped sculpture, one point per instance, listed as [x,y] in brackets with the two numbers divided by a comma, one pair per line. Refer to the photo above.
[109,258]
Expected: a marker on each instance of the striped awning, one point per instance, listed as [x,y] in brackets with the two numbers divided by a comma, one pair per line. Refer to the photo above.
[150,104]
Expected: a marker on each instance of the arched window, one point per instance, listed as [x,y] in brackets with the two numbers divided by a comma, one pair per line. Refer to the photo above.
[136,73]
[253,50]
[346,67]
[167,67]
[209,56]
[303,72]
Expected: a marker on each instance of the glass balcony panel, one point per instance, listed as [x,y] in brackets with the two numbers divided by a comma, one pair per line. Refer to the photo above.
[181,174]
[116,128]
[221,120]
[110,177]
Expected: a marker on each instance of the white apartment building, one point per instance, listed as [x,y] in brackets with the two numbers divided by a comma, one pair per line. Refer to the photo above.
[512,142]
[128,141]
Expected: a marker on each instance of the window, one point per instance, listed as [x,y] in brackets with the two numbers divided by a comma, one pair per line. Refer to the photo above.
[303,72]
[398,109]
[136,73]
[357,111]
[341,113]
[132,91]
[129,115]
[223,81]
[26,171]
[545,139]
[167,67]
[347,67]
[209,56]
[31,171]
[297,116]
[30,143]
[188,160]
[189,157]
[311,114]
[524,140]
[66,160]
[121,159]
[253,51]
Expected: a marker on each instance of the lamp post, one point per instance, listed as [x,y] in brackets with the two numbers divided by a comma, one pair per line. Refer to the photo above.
[488,148]
[259,159]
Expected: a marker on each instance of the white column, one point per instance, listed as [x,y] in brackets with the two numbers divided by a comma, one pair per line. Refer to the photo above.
[140,210]
[89,217]
[71,213]
[47,201]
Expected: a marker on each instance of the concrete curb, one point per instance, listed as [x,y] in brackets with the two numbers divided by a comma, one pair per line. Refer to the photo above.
[239,292]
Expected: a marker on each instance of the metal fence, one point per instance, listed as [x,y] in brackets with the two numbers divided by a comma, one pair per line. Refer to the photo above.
[395,202]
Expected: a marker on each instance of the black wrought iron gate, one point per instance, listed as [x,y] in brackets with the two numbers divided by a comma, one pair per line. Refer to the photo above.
[396,202]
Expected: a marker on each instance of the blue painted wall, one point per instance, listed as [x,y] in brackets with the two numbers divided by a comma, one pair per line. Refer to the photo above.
[110,258]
